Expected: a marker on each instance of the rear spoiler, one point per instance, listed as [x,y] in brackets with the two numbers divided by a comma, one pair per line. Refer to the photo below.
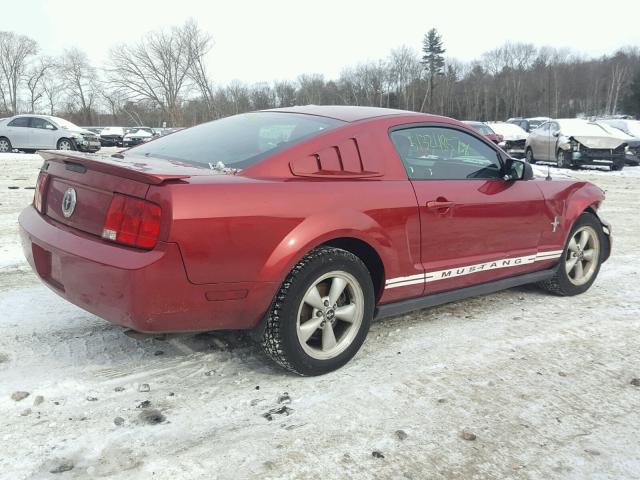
[140,169]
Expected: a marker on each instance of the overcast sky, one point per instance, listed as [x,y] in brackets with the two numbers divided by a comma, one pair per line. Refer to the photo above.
[272,39]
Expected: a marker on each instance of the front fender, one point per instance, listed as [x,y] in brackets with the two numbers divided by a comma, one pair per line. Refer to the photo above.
[586,197]
[317,230]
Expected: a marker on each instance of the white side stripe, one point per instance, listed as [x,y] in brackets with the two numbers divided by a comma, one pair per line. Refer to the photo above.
[469,269]
[419,276]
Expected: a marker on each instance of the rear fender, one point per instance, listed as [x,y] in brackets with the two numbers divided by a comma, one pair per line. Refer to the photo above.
[317,230]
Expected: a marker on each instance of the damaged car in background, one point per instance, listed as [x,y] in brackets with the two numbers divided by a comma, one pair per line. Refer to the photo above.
[514,138]
[39,132]
[137,135]
[575,142]
[112,137]
[632,151]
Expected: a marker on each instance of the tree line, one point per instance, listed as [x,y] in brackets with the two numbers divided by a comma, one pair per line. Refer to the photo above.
[164,78]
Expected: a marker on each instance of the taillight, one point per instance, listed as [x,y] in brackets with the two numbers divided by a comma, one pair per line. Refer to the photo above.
[41,187]
[132,221]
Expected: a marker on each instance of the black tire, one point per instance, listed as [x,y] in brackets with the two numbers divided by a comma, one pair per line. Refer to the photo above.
[64,141]
[617,166]
[6,145]
[529,156]
[561,159]
[560,283]
[280,338]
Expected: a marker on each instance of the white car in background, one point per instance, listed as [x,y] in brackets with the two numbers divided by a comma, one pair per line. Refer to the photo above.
[513,138]
[44,132]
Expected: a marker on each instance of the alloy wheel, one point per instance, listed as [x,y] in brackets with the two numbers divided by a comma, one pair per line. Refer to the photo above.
[4,146]
[64,145]
[582,255]
[330,315]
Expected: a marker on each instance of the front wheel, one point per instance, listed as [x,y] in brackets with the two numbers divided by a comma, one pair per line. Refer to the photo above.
[321,314]
[65,144]
[581,258]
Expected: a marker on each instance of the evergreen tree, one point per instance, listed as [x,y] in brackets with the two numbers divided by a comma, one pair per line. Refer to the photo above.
[432,60]
[631,104]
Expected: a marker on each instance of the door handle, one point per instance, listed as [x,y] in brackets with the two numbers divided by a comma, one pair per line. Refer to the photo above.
[439,205]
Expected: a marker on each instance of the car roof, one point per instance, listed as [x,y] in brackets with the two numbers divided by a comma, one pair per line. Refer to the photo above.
[346,113]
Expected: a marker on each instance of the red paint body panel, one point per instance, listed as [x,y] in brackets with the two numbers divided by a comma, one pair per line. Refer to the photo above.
[228,241]
[490,219]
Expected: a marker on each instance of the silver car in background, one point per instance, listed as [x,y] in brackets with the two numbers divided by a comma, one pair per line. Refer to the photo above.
[574,142]
[44,132]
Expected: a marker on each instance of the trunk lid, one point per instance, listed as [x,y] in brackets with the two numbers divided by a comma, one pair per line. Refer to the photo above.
[94,179]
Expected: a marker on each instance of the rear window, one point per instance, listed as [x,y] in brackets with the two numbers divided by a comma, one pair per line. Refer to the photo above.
[238,141]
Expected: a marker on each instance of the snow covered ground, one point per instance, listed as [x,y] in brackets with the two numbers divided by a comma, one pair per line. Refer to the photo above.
[543,384]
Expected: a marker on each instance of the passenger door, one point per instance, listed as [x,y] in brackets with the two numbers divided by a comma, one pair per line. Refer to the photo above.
[475,226]
[19,132]
[43,133]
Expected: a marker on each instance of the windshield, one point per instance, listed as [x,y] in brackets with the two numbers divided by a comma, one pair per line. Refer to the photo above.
[613,131]
[62,123]
[581,128]
[238,141]
[634,127]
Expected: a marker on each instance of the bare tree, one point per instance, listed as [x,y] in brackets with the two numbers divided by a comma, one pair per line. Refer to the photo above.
[80,81]
[15,51]
[52,89]
[199,43]
[285,93]
[158,69]
[35,80]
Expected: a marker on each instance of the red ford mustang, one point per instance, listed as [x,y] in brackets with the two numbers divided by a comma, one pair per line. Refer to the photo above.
[304,224]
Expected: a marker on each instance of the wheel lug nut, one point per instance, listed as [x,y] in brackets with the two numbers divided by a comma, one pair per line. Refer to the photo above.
[318,314]
[326,303]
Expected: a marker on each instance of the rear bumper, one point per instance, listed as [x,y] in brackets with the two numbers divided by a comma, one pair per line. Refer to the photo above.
[147,291]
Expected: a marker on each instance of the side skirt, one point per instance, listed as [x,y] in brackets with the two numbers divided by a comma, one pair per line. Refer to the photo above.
[405,306]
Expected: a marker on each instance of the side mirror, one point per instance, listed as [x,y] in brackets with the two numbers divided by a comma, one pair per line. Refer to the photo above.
[517,170]
[555,134]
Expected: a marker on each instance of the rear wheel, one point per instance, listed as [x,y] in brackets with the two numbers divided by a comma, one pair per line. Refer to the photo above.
[529,156]
[562,159]
[321,315]
[581,258]
[65,144]
[5,145]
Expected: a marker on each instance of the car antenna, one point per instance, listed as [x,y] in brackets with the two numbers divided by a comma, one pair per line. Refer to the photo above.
[548,178]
